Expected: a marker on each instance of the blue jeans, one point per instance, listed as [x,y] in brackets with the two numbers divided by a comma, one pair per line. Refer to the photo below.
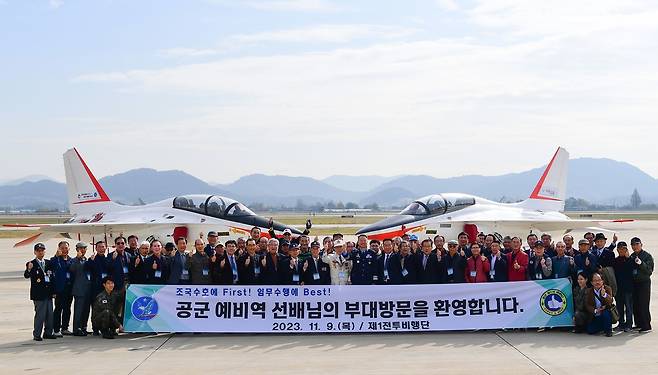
[600,323]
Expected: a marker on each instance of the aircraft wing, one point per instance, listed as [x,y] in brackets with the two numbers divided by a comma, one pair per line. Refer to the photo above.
[524,226]
[90,228]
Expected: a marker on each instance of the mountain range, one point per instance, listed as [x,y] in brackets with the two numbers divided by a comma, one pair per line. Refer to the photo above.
[602,181]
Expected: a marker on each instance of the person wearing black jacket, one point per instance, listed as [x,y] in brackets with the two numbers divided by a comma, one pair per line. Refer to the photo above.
[272,271]
[157,265]
[388,265]
[431,267]
[455,264]
[314,270]
[293,267]
[498,262]
[224,270]
[623,266]
[408,264]
[41,275]
[138,271]
[63,284]
[249,266]
[642,270]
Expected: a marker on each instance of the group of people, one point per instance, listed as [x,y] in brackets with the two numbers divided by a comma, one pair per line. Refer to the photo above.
[98,282]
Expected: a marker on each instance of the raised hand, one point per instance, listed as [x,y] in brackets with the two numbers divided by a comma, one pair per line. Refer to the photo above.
[213,258]
[30,265]
[155,265]
[137,260]
[246,263]
[222,263]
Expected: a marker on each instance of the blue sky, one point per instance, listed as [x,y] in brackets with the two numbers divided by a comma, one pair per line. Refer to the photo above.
[222,89]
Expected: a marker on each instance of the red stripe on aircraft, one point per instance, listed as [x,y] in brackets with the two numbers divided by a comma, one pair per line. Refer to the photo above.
[99,188]
[535,192]
[28,240]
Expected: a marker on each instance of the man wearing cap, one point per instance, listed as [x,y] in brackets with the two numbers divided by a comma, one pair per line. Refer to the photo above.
[40,273]
[642,270]
[212,242]
[388,265]
[624,266]
[415,245]
[63,285]
[293,266]
[585,261]
[81,270]
[339,267]
[314,270]
[284,247]
[104,314]
[604,255]
[540,266]
[364,265]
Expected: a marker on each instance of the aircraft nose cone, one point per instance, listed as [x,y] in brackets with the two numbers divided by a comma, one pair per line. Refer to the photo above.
[389,222]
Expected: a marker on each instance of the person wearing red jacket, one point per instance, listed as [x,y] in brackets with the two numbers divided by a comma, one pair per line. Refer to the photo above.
[477,266]
[517,262]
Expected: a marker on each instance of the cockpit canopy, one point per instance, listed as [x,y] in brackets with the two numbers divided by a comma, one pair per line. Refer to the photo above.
[438,204]
[212,205]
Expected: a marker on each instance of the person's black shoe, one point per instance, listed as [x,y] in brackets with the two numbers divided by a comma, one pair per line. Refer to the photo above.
[66,332]
[80,333]
[96,333]
[49,337]
[645,330]
[608,334]
[37,339]
[107,334]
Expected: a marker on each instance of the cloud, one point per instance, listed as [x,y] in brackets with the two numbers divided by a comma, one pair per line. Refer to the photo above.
[449,5]
[188,52]
[318,6]
[55,4]
[325,34]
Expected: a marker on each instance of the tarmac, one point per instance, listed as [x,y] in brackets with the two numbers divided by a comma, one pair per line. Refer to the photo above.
[490,352]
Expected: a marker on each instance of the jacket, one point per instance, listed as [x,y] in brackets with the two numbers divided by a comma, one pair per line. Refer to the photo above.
[199,268]
[434,271]
[178,273]
[642,272]
[522,259]
[391,272]
[477,270]
[63,281]
[590,303]
[319,275]
[41,280]
[498,269]
[81,271]
[160,275]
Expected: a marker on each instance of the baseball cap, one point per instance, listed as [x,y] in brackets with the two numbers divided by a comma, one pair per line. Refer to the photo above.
[621,244]
[338,243]
[583,242]
[413,237]
[287,231]
[81,245]
[453,242]
[39,246]
[315,244]
[212,233]
[635,240]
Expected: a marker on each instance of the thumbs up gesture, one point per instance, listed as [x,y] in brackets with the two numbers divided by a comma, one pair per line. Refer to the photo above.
[263,261]
[305,266]
[213,258]
[462,253]
[137,260]
[155,265]
[587,261]
[516,265]
[638,261]
[543,261]
[438,256]
[222,263]
[571,261]
[248,261]
[483,258]
[30,266]
[114,255]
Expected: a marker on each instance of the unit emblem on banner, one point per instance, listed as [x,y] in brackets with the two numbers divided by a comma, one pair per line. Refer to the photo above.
[144,308]
[553,302]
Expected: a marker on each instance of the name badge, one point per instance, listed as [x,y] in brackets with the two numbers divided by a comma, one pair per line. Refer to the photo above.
[316,276]
[88,276]
[257,270]
[538,276]
[235,272]
[405,272]
[125,269]
[103,275]
[634,272]
[295,277]
[492,273]
[375,277]
[473,273]
[342,275]
[450,271]
[158,273]
[185,274]
[386,274]
[205,272]
[68,275]
[46,278]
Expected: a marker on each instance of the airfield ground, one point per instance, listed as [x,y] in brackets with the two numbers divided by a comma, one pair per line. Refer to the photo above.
[490,352]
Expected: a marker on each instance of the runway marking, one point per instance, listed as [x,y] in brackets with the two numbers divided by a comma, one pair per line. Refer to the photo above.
[523,354]
[150,354]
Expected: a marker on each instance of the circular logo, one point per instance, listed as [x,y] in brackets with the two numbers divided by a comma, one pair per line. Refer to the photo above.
[144,308]
[553,302]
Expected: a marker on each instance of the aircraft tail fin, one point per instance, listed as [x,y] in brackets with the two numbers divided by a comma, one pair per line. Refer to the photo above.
[551,190]
[82,187]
